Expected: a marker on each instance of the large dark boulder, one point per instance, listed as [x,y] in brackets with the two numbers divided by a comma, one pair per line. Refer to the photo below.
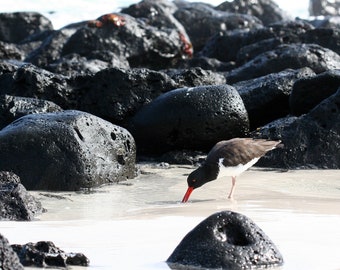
[309,92]
[292,56]
[325,37]
[10,51]
[243,45]
[225,240]
[267,98]
[141,44]
[201,22]
[68,150]
[15,27]
[190,118]
[46,254]
[50,48]
[9,260]
[125,91]
[158,13]
[31,81]
[311,140]
[266,10]
[12,108]
[15,202]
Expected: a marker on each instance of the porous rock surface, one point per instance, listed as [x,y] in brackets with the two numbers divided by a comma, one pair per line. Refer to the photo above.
[190,118]
[311,140]
[13,107]
[225,240]
[16,203]
[68,150]
[9,260]
[46,254]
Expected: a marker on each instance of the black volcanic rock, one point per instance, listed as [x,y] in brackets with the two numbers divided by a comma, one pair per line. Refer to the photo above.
[46,254]
[195,77]
[266,10]
[292,56]
[326,37]
[31,81]
[309,92]
[12,108]
[267,98]
[310,141]
[141,44]
[15,202]
[158,13]
[10,51]
[50,48]
[68,150]
[225,240]
[9,260]
[17,26]
[190,118]
[201,22]
[243,45]
[125,92]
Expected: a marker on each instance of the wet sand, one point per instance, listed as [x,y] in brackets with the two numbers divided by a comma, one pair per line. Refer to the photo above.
[137,224]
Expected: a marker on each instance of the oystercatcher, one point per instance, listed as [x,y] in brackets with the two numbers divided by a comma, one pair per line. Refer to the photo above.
[229,158]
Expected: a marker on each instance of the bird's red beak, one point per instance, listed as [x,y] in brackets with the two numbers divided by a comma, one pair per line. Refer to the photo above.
[187,194]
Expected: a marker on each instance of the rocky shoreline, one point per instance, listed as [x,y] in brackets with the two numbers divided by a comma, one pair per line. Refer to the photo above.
[164,81]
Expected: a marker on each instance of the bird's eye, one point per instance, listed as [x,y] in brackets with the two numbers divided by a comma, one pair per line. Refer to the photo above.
[194,180]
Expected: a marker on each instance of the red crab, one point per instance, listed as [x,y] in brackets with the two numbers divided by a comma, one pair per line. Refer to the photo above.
[187,46]
[108,19]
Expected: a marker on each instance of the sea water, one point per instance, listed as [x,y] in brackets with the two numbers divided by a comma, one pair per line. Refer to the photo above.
[137,224]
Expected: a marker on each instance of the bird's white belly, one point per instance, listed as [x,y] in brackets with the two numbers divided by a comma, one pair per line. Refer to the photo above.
[235,170]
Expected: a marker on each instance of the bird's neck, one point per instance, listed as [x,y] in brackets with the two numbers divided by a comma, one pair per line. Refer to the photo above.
[210,171]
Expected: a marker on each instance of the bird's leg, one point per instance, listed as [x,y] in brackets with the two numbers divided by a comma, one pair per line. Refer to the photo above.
[233,182]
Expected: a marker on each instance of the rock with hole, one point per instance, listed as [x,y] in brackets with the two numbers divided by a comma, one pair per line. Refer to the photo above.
[225,240]
[68,150]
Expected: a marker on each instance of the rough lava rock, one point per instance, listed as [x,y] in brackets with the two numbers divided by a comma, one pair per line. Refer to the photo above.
[31,81]
[9,260]
[311,140]
[309,92]
[12,108]
[202,21]
[190,118]
[125,92]
[243,45]
[292,56]
[195,77]
[46,254]
[225,240]
[141,44]
[69,150]
[17,26]
[15,202]
[267,98]
[266,10]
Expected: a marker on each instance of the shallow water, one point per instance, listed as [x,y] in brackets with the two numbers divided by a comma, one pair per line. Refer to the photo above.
[137,225]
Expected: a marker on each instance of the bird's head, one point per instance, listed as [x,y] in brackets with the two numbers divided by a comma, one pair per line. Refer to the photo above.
[195,180]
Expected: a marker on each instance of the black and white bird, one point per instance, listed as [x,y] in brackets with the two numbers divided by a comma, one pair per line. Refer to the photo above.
[229,158]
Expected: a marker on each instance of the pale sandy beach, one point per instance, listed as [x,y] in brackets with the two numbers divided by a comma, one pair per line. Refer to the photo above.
[138,224]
